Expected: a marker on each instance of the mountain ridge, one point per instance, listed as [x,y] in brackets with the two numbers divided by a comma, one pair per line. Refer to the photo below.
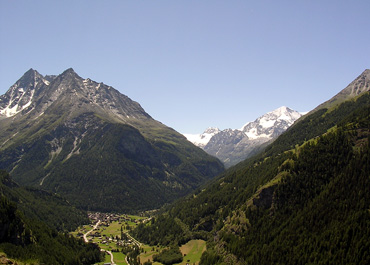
[358,86]
[234,145]
[63,134]
[302,200]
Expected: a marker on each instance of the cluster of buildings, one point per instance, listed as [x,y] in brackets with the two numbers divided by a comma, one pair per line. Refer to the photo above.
[107,218]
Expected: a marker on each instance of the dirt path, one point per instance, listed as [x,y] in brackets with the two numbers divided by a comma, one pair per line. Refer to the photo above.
[111,257]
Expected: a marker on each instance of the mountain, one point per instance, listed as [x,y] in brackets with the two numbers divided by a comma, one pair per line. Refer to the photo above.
[232,146]
[95,146]
[358,86]
[271,124]
[201,140]
[303,200]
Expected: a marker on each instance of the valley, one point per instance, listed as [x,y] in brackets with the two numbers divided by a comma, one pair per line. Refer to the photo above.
[111,233]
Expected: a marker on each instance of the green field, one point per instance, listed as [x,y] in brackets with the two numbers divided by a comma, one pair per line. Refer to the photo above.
[193,251]
[106,260]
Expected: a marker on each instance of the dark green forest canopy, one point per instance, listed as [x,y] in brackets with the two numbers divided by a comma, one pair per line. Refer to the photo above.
[33,241]
[41,205]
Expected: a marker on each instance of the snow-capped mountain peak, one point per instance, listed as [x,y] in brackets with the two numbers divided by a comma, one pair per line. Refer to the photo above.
[202,139]
[19,97]
[271,124]
[232,146]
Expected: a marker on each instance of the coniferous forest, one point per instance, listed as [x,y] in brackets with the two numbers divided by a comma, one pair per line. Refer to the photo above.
[27,237]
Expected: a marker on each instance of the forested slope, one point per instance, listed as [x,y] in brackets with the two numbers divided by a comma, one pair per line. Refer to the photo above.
[32,241]
[304,200]
[41,205]
[34,225]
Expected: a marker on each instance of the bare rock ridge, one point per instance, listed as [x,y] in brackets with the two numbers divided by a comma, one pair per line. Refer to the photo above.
[33,91]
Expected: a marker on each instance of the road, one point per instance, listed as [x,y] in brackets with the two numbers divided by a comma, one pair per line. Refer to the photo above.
[85,235]
[111,257]
[137,243]
[86,240]
[109,252]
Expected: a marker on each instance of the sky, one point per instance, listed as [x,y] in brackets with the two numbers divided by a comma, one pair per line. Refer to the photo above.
[193,64]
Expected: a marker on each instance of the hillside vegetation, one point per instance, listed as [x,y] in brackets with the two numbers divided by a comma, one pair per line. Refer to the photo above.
[304,200]
[41,205]
[32,241]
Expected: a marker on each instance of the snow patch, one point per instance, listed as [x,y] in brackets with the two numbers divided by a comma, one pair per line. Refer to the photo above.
[10,111]
[264,127]
[202,140]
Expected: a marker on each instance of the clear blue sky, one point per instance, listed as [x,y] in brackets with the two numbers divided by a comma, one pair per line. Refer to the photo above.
[193,64]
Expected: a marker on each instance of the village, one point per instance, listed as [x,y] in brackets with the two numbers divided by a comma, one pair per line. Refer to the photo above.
[104,236]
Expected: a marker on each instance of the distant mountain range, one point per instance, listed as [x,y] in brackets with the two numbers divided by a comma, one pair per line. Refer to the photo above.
[95,146]
[234,145]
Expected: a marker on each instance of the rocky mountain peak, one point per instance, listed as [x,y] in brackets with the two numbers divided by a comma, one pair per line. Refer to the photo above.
[70,72]
[358,86]
[77,137]
[70,93]
[271,124]
[233,145]
[201,140]
[30,78]
[211,130]
[20,95]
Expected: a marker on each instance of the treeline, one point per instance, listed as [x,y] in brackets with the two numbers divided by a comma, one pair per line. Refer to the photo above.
[32,241]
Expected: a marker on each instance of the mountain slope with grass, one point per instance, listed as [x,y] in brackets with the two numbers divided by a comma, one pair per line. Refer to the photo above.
[95,146]
[303,200]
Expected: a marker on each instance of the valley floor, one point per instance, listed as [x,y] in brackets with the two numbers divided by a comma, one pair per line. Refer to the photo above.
[110,232]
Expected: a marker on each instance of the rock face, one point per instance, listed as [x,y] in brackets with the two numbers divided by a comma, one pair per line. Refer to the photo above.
[35,94]
[234,145]
[95,146]
[358,86]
